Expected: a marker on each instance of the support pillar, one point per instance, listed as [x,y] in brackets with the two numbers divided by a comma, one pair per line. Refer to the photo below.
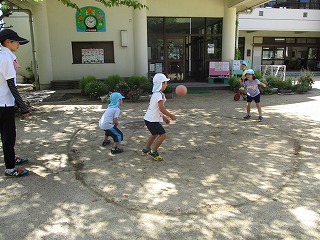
[43,48]
[228,33]
[140,41]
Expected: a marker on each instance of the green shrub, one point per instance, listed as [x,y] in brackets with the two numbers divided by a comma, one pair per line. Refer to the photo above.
[169,89]
[123,88]
[288,84]
[134,81]
[112,81]
[232,80]
[85,80]
[134,94]
[95,89]
[306,79]
[146,86]
[258,75]
[236,85]
[140,82]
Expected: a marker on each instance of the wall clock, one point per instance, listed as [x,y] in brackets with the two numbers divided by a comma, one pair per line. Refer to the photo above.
[90,21]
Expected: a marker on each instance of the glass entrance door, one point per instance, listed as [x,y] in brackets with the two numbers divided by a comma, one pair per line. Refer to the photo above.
[175,58]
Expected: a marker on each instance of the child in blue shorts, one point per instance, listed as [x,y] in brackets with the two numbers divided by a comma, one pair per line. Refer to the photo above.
[253,93]
[109,123]
[156,113]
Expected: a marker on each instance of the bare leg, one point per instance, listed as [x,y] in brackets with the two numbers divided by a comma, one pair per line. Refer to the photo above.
[248,107]
[159,141]
[259,108]
[150,141]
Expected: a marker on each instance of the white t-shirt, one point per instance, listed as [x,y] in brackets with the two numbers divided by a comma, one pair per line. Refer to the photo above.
[106,121]
[153,113]
[7,71]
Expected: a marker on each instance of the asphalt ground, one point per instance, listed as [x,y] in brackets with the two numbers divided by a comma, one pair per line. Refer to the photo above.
[222,177]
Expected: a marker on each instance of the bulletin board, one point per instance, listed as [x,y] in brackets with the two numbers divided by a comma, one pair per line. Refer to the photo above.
[236,67]
[217,69]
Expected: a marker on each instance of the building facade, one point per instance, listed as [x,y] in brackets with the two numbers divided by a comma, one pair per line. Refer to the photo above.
[177,37]
[282,33]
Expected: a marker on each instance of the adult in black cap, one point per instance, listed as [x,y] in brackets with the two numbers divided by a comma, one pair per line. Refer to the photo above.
[9,96]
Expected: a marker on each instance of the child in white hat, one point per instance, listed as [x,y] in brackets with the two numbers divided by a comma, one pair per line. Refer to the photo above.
[155,115]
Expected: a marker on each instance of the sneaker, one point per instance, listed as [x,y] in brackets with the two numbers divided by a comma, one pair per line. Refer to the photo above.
[155,155]
[106,142]
[16,172]
[260,119]
[247,117]
[145,151]
[116,150]
[20,160]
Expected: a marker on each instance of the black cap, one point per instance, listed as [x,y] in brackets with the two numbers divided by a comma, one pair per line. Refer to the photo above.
[11,35]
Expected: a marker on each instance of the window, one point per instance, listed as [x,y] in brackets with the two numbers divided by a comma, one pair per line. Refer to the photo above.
[177,25]
[301,40]
[313,53]
[92,52]
[279,53]
[290,40]
[278,40]
[267,53]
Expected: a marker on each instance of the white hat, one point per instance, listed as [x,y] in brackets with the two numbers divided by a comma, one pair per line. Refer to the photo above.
[158,79]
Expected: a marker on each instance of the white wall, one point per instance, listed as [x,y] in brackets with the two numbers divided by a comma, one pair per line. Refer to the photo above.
[277,19]
[257,51]
[20,23]
[62,31]
[184,8]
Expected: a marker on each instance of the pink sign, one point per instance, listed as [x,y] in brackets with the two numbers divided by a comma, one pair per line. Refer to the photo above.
[219,69]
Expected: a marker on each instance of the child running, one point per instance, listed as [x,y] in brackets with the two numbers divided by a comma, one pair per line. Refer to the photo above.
[253,93]
[109,123]
[156,113]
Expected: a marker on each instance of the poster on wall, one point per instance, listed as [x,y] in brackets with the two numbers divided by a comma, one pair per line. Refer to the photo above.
[210,48]
[90,19]
[92,55]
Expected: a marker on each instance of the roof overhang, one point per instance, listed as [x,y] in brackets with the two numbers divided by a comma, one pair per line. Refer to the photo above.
[244,5]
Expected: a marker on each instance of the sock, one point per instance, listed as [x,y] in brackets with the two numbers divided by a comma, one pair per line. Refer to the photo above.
[10,170]
[153,151]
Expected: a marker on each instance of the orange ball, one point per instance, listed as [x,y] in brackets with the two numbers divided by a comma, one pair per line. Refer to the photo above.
[181,90]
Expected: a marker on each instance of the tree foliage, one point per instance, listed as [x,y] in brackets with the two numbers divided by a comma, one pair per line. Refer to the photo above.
[135,4]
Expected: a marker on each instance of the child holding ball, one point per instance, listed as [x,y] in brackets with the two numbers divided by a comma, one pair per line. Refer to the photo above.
[156,113]
[253,93]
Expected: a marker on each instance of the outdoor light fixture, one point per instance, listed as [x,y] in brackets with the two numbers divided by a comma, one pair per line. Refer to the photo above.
[124,38]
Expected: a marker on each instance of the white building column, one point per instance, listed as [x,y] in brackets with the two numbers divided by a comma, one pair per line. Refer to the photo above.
[43,49]
[228,33]
[140,41]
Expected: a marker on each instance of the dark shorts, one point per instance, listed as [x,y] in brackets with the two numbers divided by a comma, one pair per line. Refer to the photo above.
[155,128]
[115,133]
[256,98]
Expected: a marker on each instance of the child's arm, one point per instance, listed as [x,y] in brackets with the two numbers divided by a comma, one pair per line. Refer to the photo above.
[115,122]
[165,111]
[241,81]
[166,120]
[263,84]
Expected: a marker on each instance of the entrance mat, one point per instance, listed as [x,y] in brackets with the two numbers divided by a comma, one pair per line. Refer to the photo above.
[196,91]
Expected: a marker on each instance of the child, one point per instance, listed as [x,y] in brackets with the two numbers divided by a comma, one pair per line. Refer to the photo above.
[10,42]
[156,113]
[109,123]
[253,92]
[244,66]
